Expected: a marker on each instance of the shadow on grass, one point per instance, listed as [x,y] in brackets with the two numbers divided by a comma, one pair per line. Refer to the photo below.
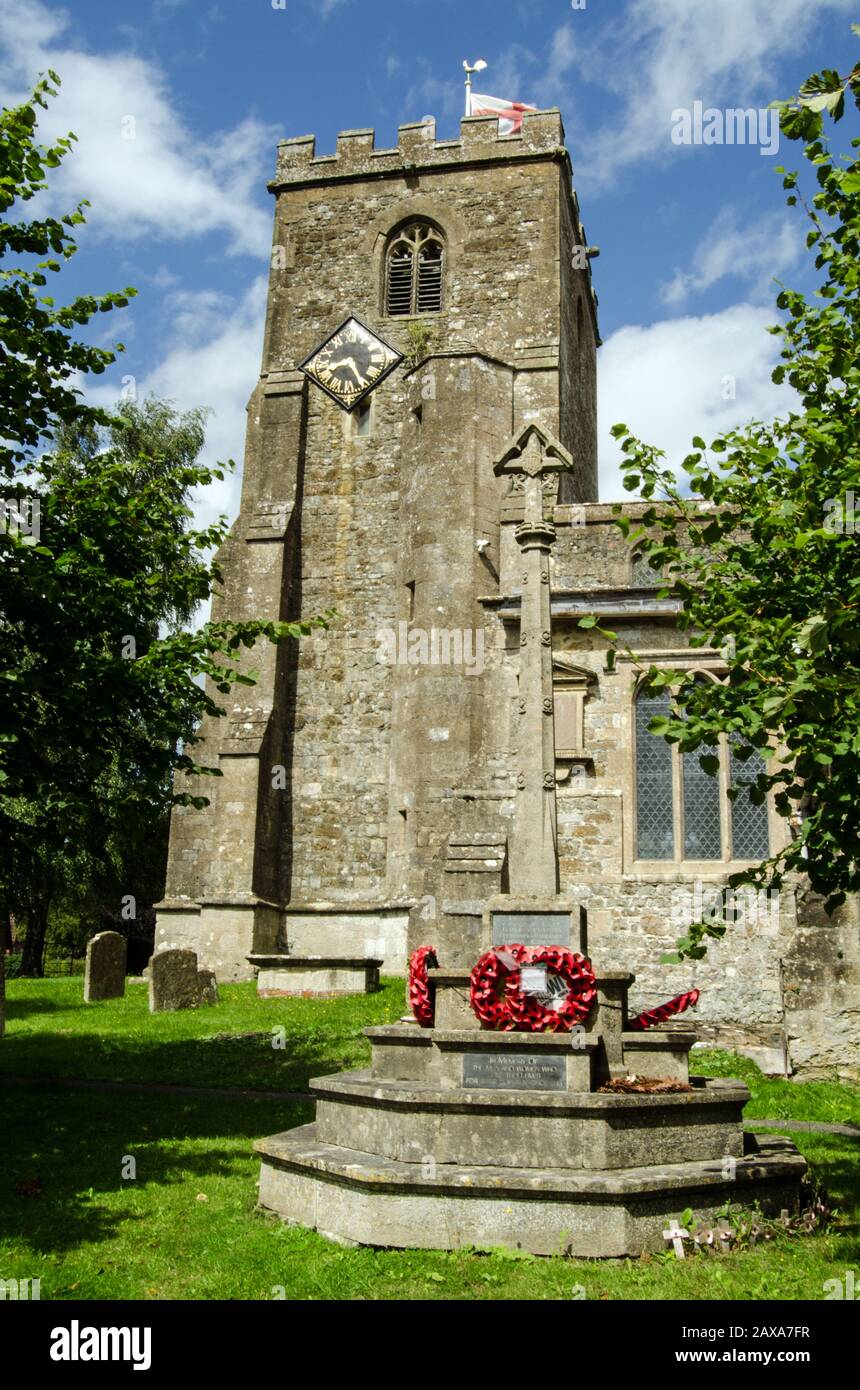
[243,1061]
[265,1045]
[63,1154]
[835,1162]
[22,1008]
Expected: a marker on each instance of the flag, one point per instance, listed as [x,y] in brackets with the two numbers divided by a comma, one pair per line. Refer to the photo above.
[510,113]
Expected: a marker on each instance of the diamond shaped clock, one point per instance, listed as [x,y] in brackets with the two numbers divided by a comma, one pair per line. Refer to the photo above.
[350,363]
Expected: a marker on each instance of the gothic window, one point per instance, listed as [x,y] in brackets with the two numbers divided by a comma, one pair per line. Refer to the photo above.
[701,811]
[749,822]
[685,815]
[642,576]
[655,834]
[414,269]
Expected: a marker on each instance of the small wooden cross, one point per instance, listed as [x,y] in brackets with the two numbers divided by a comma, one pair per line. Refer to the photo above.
[677,1236]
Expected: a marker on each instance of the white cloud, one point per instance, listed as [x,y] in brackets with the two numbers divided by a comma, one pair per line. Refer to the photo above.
[669,381]
[212,359]
[755,253]
[659,55]
[142,169]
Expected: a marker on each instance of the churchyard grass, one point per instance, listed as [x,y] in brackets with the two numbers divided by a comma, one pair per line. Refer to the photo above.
[185,1226]
[53,1033]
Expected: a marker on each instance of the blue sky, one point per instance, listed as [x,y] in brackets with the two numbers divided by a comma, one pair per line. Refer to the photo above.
[690,236]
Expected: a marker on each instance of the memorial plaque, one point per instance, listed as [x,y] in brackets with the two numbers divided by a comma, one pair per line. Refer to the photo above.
[532,928]
[514,1071]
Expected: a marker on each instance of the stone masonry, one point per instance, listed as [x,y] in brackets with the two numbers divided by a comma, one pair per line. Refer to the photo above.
[366,802]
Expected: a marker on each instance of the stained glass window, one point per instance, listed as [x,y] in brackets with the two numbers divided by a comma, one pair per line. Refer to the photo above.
[655,827]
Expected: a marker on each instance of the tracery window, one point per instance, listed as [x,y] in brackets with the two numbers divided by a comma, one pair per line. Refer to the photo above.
[414,271]
[683,814]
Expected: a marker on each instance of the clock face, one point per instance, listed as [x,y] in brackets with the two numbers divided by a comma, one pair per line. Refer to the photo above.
[350,363]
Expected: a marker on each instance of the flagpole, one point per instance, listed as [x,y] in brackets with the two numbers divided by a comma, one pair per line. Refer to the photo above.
[470,68]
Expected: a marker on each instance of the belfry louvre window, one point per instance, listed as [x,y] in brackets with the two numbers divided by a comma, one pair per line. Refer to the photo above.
[683,814]
[414,271]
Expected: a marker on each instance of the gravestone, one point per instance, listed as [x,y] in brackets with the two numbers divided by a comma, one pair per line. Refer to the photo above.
[104,976]
[207,992]
[173,981]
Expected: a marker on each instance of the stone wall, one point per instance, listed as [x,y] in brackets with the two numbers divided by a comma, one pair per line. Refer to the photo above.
[342,775]
[367,805]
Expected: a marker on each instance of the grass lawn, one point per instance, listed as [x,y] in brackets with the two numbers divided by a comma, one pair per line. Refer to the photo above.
[186,1225]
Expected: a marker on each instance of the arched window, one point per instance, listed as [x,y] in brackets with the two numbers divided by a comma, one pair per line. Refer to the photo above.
[414,268]
[655,814]
[749,822]
[642,576]
[685,815]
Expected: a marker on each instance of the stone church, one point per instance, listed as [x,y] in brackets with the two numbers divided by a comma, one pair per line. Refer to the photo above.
[368,789]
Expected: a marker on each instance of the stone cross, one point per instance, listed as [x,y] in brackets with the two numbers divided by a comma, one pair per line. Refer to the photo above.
[533,461]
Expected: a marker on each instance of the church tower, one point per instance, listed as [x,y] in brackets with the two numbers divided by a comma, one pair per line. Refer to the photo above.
[368,779]
[456,733]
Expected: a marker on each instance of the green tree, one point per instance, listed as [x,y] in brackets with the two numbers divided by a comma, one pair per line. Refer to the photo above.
[39,357]
[102,688]
[763,553]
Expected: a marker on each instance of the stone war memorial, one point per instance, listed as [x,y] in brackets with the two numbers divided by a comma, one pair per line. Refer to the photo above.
[454,775]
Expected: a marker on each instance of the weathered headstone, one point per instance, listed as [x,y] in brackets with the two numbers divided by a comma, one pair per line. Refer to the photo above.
[173,982]
[208,987]
[104,976]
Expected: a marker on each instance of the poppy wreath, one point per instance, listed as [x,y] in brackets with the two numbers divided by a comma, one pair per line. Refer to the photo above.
[491,977]
[527,1012]
[650,1017]
[498,1000]
[421,992]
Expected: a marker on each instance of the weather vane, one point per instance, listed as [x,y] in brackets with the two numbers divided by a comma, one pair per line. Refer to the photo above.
[475,67]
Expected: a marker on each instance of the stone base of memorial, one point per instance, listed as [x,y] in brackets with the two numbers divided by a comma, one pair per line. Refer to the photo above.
[315,976]
[461,1136]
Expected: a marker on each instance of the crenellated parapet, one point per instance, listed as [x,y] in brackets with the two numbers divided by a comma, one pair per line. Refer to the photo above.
[417,149]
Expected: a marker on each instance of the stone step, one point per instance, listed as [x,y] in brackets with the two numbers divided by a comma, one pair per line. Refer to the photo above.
[355,1197]
[409,1121]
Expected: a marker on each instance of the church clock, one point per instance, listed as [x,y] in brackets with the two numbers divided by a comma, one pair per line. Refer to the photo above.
[350,363]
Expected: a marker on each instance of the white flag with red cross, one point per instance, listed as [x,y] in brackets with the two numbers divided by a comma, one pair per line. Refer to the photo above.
[510,113]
